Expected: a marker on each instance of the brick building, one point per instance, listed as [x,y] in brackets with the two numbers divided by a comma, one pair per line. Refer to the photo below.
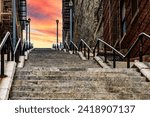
[124,20]
[6,16]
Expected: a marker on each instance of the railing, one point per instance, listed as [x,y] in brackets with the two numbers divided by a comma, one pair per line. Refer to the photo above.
[73,47]
[85,48]
[6,47]
[12,54]
[66,46]
[127,55]
[17,51]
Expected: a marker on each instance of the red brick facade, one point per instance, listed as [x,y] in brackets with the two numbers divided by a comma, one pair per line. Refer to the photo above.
[122,33]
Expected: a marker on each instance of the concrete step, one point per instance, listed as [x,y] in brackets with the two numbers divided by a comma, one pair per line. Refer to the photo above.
[66,96]
[50,74]
[68,74]
[71,87]
[79,81]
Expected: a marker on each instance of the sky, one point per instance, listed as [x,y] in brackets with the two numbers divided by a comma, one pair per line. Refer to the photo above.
[43,14]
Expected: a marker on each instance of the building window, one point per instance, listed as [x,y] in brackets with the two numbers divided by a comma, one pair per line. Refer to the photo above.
[134,7]
[123,18]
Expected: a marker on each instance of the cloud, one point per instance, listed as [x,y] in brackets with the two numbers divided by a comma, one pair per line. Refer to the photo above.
[43,14]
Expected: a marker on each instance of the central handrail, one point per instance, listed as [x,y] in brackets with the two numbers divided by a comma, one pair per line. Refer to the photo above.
[127,55]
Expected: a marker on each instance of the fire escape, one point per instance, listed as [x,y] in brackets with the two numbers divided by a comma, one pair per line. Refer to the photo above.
[66,19]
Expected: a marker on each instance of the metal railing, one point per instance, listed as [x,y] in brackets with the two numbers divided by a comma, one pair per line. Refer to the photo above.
[115,51]
[73,47]
[83,47]
[66,46]
[6,47]
[17,51]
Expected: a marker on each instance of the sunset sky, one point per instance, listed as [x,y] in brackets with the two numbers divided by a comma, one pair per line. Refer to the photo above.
[43,14]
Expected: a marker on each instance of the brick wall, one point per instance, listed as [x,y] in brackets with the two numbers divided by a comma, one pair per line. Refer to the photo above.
[136,24]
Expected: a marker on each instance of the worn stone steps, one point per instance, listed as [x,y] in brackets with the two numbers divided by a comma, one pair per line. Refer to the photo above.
[78,71]
[50,74]
[67,96]
[77,82]
[83,88]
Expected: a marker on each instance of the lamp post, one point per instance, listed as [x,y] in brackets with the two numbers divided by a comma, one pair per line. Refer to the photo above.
[71,18]
[57,21]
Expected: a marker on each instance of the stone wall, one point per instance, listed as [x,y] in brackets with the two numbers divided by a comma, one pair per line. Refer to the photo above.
[88,21]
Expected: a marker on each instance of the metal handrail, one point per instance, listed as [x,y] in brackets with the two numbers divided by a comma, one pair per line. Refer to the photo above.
[17,45]
[66,45]
[127,55]
[6,44]
[84,45]
[73,47]
[5,40]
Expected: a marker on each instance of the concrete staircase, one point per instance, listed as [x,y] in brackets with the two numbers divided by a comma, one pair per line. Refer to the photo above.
[51,74]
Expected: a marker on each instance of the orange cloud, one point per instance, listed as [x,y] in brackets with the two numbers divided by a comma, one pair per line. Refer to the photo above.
[43,14]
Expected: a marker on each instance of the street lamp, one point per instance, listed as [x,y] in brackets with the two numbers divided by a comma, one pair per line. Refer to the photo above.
[57,21]
[71,18]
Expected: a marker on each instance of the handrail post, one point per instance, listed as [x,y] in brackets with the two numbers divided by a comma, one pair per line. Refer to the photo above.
[114,59]
[8,54]
[141,50]
[2,63]
[88,53]
[98,48]
[128,61]
[73,48]
[94,53]
[12,56]
[105,54]
[84,50]
[81,46]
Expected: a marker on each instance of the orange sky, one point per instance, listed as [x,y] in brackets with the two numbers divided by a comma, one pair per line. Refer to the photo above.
[43,14]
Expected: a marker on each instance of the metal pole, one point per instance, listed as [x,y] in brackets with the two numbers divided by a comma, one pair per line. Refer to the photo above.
[14,23]
[57,21]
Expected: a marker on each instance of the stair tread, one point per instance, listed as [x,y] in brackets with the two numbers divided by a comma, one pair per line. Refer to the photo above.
[51,74]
